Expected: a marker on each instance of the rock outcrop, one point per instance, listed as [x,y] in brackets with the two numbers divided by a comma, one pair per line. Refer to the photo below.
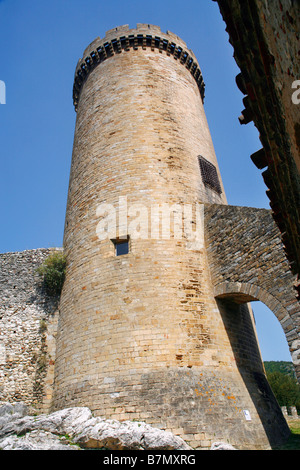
[77,429]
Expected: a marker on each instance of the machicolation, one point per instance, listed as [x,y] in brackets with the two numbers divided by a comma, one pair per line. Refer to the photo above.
[121,39]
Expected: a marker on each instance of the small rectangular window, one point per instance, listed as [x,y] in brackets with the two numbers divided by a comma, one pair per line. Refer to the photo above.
[121,246]
[209,174]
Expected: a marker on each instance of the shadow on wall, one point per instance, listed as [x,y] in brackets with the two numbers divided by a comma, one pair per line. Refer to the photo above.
[238,322]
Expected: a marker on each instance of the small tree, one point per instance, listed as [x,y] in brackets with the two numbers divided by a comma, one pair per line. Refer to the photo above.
[53,271]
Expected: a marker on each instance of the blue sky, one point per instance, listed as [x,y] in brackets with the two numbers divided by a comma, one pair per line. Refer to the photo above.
[40,43]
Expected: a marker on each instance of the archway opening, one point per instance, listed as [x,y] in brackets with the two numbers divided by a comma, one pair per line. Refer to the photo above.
[238,320]
[271,337]
[277,359]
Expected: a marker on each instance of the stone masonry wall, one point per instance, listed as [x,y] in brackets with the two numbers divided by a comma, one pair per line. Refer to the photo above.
[28,320]
[248,262]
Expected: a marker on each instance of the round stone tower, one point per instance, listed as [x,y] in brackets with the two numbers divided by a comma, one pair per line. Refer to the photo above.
[140,334]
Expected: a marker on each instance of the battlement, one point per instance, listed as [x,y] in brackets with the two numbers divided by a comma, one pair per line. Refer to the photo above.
[121,39]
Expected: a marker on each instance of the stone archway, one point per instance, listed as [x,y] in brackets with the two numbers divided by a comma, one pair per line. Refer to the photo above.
[247,262]
[242,292]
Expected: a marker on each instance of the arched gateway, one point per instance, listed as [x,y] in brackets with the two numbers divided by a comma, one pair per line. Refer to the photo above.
[248,263]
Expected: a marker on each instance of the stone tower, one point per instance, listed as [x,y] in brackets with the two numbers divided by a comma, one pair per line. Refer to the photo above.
[141,335]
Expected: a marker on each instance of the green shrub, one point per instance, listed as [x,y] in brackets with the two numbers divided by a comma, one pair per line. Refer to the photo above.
[285,388]
[53,271]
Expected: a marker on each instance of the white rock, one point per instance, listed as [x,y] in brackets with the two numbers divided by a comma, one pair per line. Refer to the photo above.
[84,430]
[221,446]
[36,440]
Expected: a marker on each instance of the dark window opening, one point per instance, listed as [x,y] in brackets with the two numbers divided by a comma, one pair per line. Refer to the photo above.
[179,51]
[209,174]
[108,50]
[172,48]
[165,44]
[184,57]
[149,40]
[140,39]
[157,41]
[121,246]
[131,40]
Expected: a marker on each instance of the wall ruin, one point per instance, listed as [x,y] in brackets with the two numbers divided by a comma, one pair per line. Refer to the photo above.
[28,323]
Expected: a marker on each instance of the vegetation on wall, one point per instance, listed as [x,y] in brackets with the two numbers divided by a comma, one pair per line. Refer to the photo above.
[281,377]
[53,272]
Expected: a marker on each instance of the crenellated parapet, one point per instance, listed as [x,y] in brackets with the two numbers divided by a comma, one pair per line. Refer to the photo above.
[122,39]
